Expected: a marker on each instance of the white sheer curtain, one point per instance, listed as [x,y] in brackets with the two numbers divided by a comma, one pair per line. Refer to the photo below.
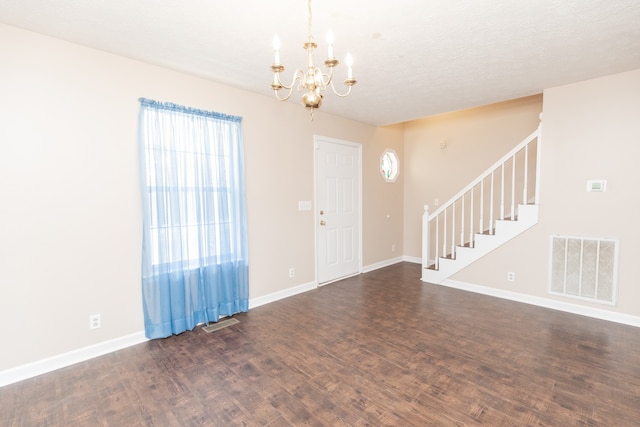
[194,251]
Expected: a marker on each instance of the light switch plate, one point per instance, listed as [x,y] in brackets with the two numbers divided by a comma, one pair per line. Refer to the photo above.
[304,205]
[596,185]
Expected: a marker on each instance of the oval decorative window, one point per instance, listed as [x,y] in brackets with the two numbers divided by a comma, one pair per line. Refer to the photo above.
[389,165]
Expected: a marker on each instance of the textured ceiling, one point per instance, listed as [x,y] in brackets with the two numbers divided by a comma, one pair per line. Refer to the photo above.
[412,58]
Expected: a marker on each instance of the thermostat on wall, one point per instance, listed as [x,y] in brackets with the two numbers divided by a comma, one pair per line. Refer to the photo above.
[597,185]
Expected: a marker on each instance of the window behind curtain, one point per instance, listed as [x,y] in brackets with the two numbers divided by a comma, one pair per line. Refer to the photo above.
[191,207]
[195,265]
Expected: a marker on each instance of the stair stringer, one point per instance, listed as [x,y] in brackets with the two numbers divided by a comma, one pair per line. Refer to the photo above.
[504,231]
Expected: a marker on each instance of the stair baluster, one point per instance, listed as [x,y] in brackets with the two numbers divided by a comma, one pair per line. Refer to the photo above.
[447,231]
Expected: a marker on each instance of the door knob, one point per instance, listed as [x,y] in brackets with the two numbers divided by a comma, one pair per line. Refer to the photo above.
[322,222]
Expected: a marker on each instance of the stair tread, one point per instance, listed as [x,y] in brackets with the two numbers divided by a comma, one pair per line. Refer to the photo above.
[488,233]
[471,245]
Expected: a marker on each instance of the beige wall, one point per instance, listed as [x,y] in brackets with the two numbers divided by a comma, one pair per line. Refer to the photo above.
[70,217]
[474,140]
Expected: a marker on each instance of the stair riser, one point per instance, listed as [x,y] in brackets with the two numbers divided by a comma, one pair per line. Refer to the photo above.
[483,244]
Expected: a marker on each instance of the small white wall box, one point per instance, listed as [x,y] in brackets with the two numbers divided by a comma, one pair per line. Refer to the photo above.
[595,185]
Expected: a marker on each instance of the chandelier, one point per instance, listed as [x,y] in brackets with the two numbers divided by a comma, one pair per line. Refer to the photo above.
[312,81]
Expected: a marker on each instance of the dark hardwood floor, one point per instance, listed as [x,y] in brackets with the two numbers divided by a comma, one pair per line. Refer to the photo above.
[379,349]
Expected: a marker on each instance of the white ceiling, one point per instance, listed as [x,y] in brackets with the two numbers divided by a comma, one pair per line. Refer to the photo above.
[412,58]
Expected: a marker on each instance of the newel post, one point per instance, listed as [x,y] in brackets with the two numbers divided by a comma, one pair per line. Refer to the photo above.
[538,161]
[425,238]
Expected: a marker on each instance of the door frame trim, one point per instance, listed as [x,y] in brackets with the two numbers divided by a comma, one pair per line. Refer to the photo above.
[316,216]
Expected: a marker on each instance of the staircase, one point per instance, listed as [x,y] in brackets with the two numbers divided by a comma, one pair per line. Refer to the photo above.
[494,208]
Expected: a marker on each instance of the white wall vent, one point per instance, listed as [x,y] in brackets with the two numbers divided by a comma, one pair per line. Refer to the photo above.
[584,268]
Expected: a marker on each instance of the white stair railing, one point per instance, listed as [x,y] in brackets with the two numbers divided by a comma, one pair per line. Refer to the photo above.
[510,181]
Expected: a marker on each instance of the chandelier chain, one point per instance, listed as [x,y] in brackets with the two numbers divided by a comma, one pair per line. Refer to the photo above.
[309,34]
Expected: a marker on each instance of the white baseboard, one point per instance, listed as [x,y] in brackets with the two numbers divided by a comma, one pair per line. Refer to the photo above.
[43,366]
[381,264]
[30,370]
[546,303]
[387,263]
[257,302]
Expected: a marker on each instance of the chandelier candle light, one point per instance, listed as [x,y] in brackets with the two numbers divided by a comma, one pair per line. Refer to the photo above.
[313,80]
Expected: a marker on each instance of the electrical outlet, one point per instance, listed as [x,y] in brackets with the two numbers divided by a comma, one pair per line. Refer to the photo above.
[511,276]
[292,272]
[393,248]
[94,321]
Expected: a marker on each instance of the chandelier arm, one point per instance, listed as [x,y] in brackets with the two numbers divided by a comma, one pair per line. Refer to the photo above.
[297,76]
[282,85]
[289,93]
[341,95]
[329,77]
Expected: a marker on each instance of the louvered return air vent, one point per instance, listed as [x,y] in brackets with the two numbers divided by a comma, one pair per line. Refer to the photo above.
[584,268]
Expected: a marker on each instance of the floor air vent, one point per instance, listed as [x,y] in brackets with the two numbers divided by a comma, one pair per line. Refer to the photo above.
[220,324]
[584,268]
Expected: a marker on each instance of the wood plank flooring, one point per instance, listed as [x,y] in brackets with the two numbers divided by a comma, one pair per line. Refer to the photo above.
[378,349]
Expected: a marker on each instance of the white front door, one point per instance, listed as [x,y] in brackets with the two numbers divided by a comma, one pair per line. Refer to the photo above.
[337,208]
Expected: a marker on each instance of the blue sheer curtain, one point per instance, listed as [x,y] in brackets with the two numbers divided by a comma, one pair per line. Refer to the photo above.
[194,253]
